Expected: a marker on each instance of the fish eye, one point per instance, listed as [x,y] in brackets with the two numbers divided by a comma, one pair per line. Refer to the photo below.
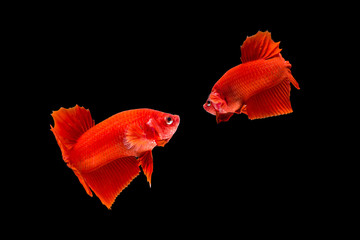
[168,120]
[208,103]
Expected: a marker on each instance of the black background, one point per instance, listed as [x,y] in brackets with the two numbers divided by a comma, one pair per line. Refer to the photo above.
[238,173]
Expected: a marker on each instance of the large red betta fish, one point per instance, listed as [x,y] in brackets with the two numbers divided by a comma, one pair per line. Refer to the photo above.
[259,87]
[106,157]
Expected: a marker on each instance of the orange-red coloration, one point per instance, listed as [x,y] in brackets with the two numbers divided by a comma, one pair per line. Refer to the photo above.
[259,87]
[106,157]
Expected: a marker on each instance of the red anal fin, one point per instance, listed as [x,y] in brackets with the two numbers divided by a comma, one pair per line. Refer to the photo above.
[223,117]
[81,180]
[146,162]
[272,102]
[108,181]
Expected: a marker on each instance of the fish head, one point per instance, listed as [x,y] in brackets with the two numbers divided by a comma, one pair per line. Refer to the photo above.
[215,104]
[163,126]
[208,106]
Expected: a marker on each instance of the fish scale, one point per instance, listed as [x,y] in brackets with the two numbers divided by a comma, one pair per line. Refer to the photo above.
[104,141]
[249,79]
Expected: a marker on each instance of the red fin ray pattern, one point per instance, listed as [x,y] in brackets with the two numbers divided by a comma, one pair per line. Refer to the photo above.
[108,181]
[272,102]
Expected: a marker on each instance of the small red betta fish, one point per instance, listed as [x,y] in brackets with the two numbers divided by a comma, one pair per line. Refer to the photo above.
[259,87]
[106,157]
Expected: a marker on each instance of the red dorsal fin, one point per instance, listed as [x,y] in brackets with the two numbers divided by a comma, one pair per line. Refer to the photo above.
[69,125]
[108,181]
[259,46]
[146,162]
[272,102]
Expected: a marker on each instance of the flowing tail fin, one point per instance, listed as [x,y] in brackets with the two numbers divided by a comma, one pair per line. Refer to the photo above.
[69,125]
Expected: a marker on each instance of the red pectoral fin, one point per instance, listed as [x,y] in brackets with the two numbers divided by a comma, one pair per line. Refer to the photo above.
[162,142]
[146,162]
[135,137]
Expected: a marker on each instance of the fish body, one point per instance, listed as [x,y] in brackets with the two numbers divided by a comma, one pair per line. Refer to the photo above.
[259,87]
[106,157]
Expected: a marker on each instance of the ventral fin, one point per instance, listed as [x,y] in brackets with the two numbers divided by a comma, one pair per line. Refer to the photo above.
[272,102]
[146,162]
[259,46]
[243,109]
[223,117]
[108,181]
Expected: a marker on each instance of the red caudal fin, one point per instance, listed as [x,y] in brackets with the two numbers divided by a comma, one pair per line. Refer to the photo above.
[259,46]
[69,125]
[272,102]
[108,181]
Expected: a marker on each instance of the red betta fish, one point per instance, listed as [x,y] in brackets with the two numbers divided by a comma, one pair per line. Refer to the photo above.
[106,157]
[259,87]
